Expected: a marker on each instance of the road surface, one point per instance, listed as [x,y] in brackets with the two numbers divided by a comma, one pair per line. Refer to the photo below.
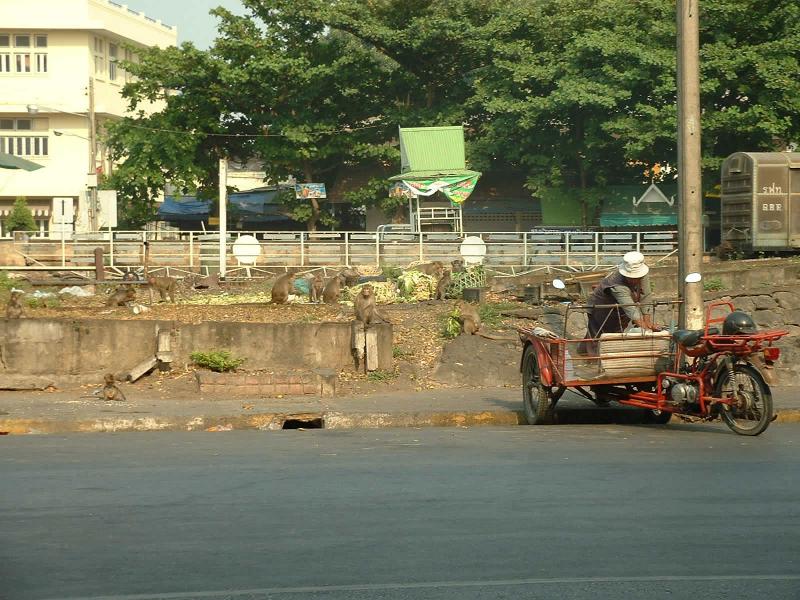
[575,512]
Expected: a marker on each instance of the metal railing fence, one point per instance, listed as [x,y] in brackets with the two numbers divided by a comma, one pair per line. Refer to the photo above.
[196,251]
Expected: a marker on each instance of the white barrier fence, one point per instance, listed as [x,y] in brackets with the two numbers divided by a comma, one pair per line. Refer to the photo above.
[195,251]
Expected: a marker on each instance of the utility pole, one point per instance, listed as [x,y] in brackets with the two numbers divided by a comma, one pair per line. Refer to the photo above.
[223,216]
[92,179]
[690,218]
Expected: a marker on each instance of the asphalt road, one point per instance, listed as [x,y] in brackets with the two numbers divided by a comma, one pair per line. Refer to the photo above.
[577,512]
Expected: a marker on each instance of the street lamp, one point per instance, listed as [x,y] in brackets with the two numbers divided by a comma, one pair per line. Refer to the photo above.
[92,139]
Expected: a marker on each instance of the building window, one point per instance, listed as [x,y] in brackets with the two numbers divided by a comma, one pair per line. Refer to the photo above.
[129,57]
[112,62]
[21,145]
[99,58]
[16,55]
[43,227]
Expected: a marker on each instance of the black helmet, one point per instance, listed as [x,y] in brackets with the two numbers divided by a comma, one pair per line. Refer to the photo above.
[738,322]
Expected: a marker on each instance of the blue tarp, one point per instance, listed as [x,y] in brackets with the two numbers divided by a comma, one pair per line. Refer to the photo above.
[252,206]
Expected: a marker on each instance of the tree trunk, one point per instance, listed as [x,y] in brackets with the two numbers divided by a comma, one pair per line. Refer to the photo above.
[309,175]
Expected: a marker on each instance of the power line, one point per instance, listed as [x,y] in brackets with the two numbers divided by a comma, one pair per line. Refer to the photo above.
[250,135]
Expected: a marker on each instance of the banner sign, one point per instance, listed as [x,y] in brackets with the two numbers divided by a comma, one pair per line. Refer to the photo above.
[310,190]
[456,188]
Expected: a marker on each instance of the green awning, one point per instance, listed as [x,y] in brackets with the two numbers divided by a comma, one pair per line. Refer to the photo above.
[9,161]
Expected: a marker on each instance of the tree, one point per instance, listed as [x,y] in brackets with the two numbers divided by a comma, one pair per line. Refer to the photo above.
[307,89]
[580,94]
[21,218]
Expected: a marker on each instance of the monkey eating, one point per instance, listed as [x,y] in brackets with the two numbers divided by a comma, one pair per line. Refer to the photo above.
[365,309]
[165,286]
[434,269]
[316,287]
[14,309]
[281,288]
[121,296]
[110,390]
[333,289]
[443,283]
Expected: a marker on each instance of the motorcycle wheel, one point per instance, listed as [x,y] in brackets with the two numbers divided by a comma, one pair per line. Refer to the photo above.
[538,402]
[657,417]
[751,413]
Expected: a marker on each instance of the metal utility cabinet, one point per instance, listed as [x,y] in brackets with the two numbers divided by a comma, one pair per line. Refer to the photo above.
[761,201]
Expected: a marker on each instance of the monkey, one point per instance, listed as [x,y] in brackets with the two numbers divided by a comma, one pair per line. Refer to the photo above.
[121,296]
[281,288]
[316,287]
[725,251]
[166,287]
[351,277]
[330,295]
[471,322]
[365,309]
[434,269]
[14,309]
[441,286]
[458,265]
[110,389]
[468,317]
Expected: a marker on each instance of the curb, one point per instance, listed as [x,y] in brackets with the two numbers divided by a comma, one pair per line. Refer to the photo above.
[278,421]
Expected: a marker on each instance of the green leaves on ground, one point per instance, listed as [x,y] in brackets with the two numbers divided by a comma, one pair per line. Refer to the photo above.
[216,360]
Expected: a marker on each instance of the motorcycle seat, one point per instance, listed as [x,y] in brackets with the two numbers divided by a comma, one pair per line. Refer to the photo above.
[690,337]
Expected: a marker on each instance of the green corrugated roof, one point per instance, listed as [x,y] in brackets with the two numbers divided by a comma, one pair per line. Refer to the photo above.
[435,149]
[412,175]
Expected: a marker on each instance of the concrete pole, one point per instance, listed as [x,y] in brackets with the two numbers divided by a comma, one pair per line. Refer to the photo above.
[223,216]
[93,222]
[690,219]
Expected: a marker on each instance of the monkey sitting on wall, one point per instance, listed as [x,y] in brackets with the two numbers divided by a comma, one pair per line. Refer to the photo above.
[333,289]
[165,286]
[281,288]
[365,308]
[110,390]
[14,309]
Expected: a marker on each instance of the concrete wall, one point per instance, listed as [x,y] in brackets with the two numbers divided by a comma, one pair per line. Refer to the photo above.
[76,350]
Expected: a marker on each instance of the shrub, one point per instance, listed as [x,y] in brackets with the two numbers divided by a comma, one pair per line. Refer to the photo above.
[216,360]
[713,284]
[21,217]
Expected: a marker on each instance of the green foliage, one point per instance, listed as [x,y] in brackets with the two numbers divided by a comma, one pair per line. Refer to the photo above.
[398,352]
[713,284]
[575,95]
[450,327]
[216,360]
[391,272]
[490,313]
[21,217]
[43,302]
[380,375]
[5,281]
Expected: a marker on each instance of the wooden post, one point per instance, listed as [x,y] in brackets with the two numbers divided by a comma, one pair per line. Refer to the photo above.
[99,270]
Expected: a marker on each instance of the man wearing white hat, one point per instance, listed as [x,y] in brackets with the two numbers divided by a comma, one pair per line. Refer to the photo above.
[628,286]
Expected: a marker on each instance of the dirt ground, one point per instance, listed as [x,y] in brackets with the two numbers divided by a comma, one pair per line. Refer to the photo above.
[417,348]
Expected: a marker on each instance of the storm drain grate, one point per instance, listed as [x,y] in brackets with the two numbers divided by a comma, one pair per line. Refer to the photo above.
[314,423]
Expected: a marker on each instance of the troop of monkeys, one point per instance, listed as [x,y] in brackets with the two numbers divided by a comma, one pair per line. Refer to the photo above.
[125,293]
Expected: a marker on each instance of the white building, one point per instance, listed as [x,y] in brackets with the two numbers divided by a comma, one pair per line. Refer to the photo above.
[52,52]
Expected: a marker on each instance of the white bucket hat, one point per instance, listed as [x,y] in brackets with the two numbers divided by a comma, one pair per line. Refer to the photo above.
[633,266]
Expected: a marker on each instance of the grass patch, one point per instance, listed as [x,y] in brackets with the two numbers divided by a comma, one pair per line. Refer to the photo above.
[713,284]
[46,302]
[490,312]
[380,375]
[398,352]
[216,360]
